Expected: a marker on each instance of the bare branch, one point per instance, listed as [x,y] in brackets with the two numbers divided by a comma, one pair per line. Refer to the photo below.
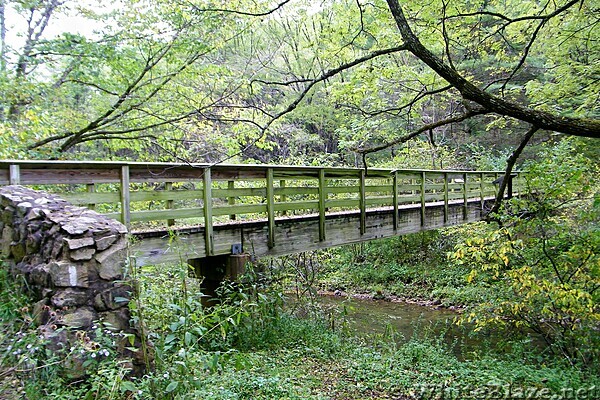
[424,128]
[331,73]
[250,14]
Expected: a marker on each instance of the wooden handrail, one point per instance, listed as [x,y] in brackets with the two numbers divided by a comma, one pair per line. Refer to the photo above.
[218,194]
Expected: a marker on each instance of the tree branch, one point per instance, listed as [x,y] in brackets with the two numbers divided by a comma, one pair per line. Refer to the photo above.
[510,163]
[424,128]
[250,14]
[543,120]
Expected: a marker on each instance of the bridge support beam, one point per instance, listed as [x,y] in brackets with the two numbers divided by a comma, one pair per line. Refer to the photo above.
[214,270]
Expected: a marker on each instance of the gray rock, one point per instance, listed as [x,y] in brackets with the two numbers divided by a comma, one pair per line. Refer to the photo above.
[33,243]
[41,312]
[111,262]
[8,234]
[34,214]
[82,254]
[23,208]
[79,225]
[79,318]
[117,320]
[18,251]
[39,275]
[74,244]
[114,298]
[104,243]
[66,274]
[70,297]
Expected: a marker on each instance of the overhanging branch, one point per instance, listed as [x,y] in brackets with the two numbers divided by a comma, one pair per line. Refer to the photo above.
[424,128]
[584,127]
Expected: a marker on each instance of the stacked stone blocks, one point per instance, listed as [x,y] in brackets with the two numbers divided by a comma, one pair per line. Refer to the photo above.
[73,259]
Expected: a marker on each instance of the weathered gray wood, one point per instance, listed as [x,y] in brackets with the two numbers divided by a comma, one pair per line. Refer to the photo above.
[239,209]
[481,189]
[446,197]
[465,197]
[125,197]
[300,233]
[162,215]
[362,203]
[208,222]
[14,174]
[69,177]
[81,198]
[231,199]
[423,183]
[270,208]
[91,188]
[282,196]
[297,205]
[290,191]
[322,200]
[169,203]
[396,200]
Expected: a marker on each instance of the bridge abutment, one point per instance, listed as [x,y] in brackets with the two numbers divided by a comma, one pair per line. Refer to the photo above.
[74,263]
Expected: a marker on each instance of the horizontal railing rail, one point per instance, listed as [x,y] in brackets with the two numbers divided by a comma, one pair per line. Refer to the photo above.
[151,195]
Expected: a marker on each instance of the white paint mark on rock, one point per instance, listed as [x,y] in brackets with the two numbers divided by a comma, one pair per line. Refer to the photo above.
[72,275]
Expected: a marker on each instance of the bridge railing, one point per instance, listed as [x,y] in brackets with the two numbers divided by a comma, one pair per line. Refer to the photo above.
[150,195]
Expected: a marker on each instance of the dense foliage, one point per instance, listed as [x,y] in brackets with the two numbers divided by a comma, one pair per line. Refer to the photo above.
[292,82]
[544,263]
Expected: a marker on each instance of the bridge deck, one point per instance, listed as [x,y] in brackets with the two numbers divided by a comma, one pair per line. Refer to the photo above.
[269,210]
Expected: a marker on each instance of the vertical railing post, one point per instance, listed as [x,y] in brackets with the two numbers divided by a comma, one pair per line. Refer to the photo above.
[91,188]
[322,199]
[14,174]
[170,202]
[125,197]
[465,197]
[231,199]
[445,197]
[509,195]
[423,198]
[395,201]
[270,209]
[282,197]
[209,249]
[482,190]
[362,201]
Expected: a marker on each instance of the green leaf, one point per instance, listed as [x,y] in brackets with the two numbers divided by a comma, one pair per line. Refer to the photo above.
[172,386]
[128,386]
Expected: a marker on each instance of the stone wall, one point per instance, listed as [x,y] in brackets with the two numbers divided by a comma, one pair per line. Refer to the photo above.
[74,261]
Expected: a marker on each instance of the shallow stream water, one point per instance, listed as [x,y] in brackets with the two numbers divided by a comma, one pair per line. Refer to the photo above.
[402,321]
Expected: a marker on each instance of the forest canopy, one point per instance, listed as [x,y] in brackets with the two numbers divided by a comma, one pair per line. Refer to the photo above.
[296,81]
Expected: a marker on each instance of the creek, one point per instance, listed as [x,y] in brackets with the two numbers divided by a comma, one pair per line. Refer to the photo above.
[402,321]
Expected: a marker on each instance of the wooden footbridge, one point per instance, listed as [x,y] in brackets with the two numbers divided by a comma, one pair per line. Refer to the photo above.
[179,212]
